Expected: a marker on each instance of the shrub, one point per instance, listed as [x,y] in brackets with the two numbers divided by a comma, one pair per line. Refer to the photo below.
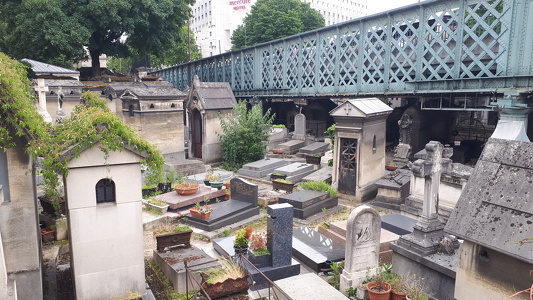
[278,126]
[258,243]
[245,134]
[240,239]
[320,186]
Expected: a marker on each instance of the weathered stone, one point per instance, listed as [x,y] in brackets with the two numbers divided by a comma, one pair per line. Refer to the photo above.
[299,127]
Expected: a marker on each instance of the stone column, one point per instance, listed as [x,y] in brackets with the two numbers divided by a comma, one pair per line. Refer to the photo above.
[362,246]
[279,234]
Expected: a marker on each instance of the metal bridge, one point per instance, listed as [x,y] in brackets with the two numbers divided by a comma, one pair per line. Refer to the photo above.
[429,48]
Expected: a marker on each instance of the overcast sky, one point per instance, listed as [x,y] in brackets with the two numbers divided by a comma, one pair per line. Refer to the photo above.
[375,6]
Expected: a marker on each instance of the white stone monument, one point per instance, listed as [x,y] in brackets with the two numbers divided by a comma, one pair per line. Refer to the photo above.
[41,90]
[363,233]
[299,127]
[106,232]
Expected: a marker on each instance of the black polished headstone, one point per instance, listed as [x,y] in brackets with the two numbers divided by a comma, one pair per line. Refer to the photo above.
[315,250]
[308,203]
[401,225]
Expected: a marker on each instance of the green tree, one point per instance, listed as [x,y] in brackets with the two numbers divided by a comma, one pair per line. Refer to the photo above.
[245,134]
[175,54]
[271,19]
[56,31]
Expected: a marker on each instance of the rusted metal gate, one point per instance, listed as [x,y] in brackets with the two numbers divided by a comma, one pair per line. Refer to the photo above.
[347,166]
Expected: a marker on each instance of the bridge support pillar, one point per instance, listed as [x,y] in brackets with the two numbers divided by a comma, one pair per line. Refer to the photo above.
[513,108]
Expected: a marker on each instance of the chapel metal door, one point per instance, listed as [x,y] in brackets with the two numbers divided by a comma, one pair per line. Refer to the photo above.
[196,134]
[347,166]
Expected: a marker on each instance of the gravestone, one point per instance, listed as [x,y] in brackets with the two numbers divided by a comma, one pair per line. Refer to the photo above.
[314,148]
[261,168]
[299,127]
[362,246]
[242,205]
[279,229]
[292,146]
[393,189]
[402,153]
[314,249]
[322,174]
[41,90]
[428,231]
[307,202]
[295,171]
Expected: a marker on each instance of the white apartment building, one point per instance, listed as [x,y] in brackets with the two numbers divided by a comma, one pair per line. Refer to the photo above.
[213,21]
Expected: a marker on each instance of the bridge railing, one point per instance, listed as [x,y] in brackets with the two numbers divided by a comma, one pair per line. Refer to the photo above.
[434,45]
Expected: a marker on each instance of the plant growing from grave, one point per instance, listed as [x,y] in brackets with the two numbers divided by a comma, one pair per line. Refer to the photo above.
[320,186]
[229,268]
[258,243]
[244,134]
[336,271]
[331,133]
[171,176]
[210,175]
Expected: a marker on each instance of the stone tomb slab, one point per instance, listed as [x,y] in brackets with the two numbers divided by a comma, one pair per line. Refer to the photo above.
[261,168]
[296,171]
[307,202]
[314,148]
[393,189]
[314,249]
[172,265]
[398,224]
[292,146]
[176,201]
[298,287]
[199,178]
[322,174]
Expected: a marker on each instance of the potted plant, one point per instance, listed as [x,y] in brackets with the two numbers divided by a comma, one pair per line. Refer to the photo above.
[320,186]
[378,289]
[414,290]
[183,187]
[168,236]
[47,234]
[168,181]
[258,251]
[229,278]
[152,178]
[155,205]
[282,184]
[242,239]
[227,196]
[391,166]
[313,159]
[216,183]
[277,175]
[399,289]
[201,211]
[210,175]
[277,151]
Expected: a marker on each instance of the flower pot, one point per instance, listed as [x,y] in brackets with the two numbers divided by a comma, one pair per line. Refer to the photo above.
[186,189]
[277,151]
[314,160]
[240,250]
[164,187]
[227,287]
[259,260]
[278,185]
[227,185]
[196,214]
[47,235]
[148,192]
[278,176]
[206,182]
[391,167]
[375,293]
[394,295]
[173,239]
[216,184]
[163,209]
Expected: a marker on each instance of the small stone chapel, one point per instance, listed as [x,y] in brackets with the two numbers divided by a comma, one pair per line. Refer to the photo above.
[207,102]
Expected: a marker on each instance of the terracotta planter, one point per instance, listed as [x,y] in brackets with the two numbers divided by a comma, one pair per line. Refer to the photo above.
[227,185]
[47,235]
[196,214]
[378,294]
[394,295]
[278,151]
[391,167]
[186,189]
[173,239]
[314,160]
[278,185]
[227,287]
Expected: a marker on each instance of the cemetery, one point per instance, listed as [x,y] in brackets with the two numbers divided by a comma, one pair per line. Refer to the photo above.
[433,228]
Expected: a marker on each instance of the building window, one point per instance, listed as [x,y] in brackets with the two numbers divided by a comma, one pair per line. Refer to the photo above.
[131,111]
[105,191]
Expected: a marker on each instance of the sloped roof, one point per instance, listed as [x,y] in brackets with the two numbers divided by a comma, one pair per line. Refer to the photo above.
[44,68]
[367,107]
[495,209]
[147,90]
[215,95]
[62,83]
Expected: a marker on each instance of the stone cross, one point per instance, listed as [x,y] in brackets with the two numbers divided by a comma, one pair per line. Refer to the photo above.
[363,233]
[428,231]
[41,90]
[279,234]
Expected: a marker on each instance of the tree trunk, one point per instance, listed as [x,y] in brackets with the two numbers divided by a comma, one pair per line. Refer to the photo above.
[95,62]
